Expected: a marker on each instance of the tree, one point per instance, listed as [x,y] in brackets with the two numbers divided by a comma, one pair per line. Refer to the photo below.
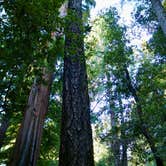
[160,13]
[110,45]
[106,43]
[126,86]
[115,143]
[143,127]
[28,141]
[76,148]
[40,49]
[158,8]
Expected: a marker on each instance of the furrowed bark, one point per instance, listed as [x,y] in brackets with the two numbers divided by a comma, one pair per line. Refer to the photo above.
[160,13]
[27,145]
[76,147]
[143,128]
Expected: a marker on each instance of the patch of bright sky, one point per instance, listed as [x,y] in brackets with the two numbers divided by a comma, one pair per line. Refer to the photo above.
[104,4]
[124,12]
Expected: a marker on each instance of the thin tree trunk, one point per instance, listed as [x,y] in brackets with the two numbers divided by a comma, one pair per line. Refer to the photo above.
[76,148]
[124,144]
[124,154]
[27,145]
[3,128]
[115,144]
[143,128]
[160,13]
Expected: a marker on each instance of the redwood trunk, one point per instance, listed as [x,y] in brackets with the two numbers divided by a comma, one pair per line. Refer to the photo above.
[160,13]
[27,145]
[143,128]
[76,148]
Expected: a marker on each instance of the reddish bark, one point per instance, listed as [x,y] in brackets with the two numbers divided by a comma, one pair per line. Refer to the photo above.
[28,141]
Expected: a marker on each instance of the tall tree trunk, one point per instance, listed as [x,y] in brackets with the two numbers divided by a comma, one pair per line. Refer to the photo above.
[124,143]
[3,128]
[76,147]
[124,154]
[142,124]
[160,13]
[27,145]
[115,140]
[115,143]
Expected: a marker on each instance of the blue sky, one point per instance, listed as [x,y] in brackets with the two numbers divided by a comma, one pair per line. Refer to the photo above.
[125,11]
[101,4]
[126,18]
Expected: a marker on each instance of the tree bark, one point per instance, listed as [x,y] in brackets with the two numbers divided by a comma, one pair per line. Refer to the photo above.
[76,148]
[160,13]
[27,145]
[143,128]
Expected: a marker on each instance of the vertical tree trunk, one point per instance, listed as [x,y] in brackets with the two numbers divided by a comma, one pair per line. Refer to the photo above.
[160,13]
[76,147]
[115,144]
[143,128]
[124,143]
[27,145]
[3,128]
[124,154]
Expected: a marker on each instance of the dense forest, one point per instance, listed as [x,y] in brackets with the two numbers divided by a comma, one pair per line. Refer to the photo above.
[77,91]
